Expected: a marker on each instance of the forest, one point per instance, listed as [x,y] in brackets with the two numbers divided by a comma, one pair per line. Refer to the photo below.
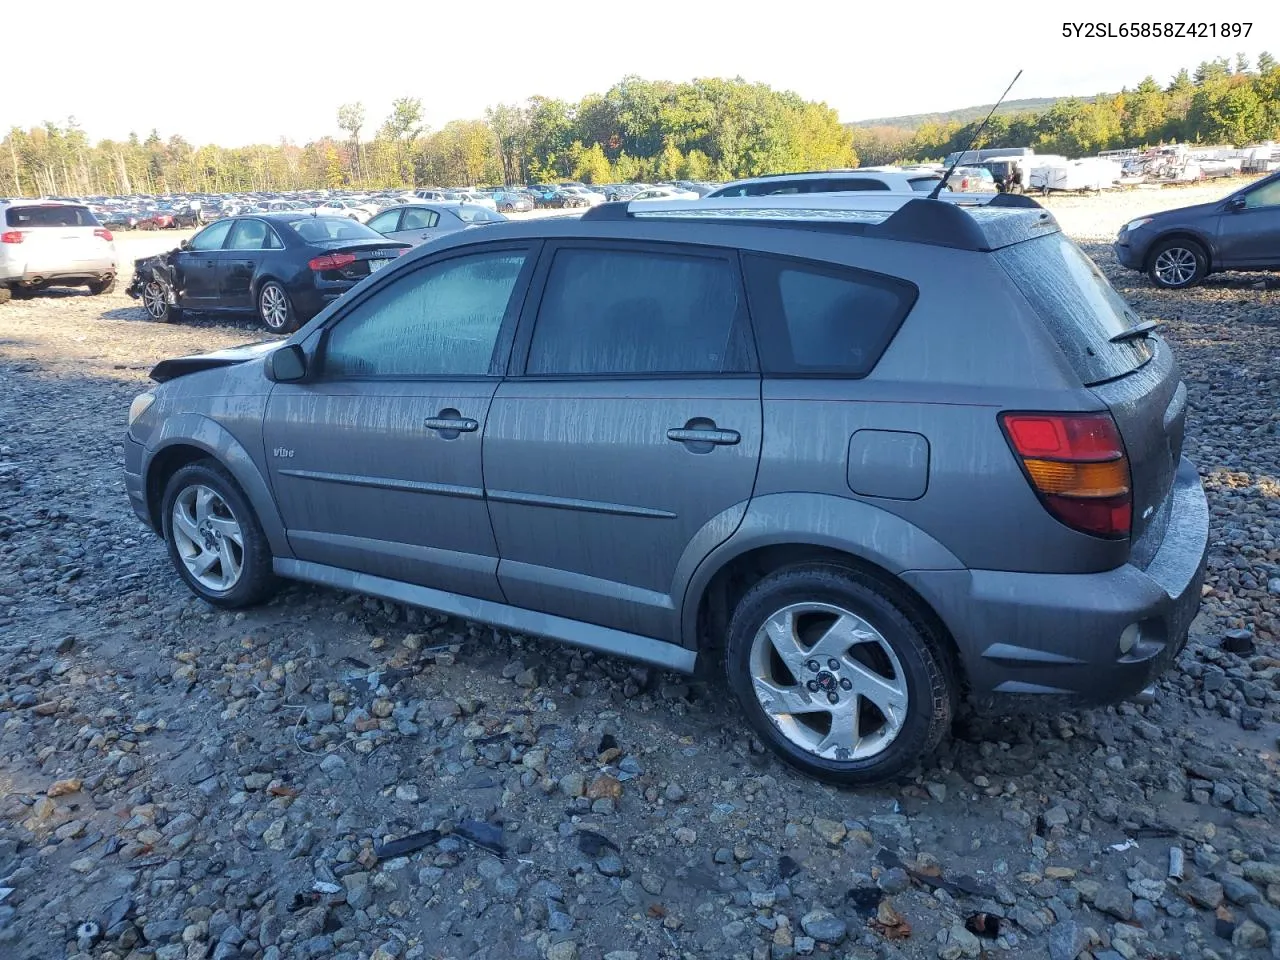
[638,130]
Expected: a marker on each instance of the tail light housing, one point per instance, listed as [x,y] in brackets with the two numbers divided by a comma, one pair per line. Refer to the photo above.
[102,233]
[331,261]
[12,236]
[1077,465]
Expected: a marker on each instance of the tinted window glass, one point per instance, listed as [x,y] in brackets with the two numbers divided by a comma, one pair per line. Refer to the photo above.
[385,222]
[248,235]
[628,312]
[1077,304]
[419,220]
[442,320]
[478,215]
[812,318]
[50,216]
[1264,196]
[210,238]
[319,229]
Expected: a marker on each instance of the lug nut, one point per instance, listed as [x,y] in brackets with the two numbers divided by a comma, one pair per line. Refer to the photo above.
[833,664]
[846,684]
[832,698]
[814,665]
[812,685]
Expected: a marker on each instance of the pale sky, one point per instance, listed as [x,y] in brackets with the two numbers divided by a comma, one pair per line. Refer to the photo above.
[235,72]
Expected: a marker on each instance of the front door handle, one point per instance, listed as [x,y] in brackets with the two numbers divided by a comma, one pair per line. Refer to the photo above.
[450,424]
[716,436]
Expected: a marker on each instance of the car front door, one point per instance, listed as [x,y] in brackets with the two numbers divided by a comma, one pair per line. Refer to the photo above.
[627,436]
[375,459]
[196,269]
[250,248]
[1249,231]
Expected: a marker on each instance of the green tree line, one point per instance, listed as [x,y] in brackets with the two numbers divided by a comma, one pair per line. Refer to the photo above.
[1219,102]
[637,130]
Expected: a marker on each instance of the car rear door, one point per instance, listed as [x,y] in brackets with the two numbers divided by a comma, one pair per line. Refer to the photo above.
[251,247]
[375,459]
[418,225]
[627,436]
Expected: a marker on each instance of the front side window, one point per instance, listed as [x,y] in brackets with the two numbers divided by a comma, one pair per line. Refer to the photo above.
[627,312]
[1268,195]
[385,222]
[441,320]
[814,318]
[210,238]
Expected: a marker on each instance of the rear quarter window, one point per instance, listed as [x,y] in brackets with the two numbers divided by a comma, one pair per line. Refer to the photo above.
[819,319]
[53,215]
[1076,303]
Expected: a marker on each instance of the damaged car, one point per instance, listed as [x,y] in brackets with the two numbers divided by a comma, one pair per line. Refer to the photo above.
[284,267]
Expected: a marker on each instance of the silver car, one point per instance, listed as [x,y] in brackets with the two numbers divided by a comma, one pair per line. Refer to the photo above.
[49,243]
[419,222]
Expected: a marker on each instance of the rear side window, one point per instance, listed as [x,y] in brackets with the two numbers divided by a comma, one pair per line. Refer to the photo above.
[1078,305]
[53,215]
[817,319]
[626,312]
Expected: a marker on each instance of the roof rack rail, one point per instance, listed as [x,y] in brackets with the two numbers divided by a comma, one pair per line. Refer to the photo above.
[951,220]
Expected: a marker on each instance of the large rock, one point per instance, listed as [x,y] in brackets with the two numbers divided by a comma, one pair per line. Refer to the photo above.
[824,926]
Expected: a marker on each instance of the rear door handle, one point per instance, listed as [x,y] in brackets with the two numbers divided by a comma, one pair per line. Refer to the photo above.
[721,438]
[456,424]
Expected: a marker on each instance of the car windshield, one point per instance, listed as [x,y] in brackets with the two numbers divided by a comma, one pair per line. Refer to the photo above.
[468,214]
[52,215]
[320,229]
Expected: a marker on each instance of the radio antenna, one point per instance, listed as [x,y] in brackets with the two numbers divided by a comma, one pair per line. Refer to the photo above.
[972,140]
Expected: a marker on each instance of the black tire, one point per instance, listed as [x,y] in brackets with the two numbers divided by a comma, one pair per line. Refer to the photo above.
[257,581]
[23,293]
[278,323]
[1177,263]
[98,287]
[931,685]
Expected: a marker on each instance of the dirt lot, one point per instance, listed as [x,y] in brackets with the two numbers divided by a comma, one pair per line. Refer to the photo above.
[177,782]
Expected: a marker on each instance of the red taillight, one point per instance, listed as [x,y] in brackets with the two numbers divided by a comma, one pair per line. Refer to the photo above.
[1078,466]
[331,261]
[12,236]
[102,233]
[964,184]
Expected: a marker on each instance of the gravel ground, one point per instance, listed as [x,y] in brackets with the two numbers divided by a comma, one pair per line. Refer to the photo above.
[335,776]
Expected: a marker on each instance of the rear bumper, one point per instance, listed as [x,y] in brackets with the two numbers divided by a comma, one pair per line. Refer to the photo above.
[1028,640]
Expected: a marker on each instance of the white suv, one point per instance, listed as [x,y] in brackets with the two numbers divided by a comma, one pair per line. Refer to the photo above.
[51,243]
[829,181]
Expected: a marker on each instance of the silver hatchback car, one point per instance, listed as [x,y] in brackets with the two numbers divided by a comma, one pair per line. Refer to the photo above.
[871,457]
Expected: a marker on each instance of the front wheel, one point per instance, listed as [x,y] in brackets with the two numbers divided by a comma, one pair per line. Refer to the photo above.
[275,309]
[839,676]
[1177,263]
[155,300]
[214,538]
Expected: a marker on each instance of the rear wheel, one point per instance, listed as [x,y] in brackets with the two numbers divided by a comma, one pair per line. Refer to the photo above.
[275,309]
[99,287]
[1177,263]
[840,677]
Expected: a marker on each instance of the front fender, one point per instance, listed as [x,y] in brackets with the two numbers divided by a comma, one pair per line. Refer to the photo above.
[205,433]
[816,520]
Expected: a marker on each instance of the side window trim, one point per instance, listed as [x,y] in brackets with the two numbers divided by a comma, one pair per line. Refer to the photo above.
[506,333]
[518,367]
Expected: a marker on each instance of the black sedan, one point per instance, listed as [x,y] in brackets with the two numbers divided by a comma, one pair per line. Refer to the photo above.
[286,267]
[1179,248]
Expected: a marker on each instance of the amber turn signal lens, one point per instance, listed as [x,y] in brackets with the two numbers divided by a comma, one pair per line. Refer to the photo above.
[1109,479]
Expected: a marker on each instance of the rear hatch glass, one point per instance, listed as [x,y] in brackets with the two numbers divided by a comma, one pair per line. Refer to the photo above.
[28,216]
[1078,305]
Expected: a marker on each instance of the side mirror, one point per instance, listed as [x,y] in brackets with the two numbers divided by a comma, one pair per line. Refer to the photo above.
[288,364]
[1236,203]
[185,245]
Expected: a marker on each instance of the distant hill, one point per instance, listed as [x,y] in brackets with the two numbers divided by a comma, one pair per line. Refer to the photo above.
[964,114]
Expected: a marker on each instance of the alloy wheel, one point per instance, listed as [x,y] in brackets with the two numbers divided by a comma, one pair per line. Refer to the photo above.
[1175,266]
[275,307]
[829,681]
[208,537]
[155,300]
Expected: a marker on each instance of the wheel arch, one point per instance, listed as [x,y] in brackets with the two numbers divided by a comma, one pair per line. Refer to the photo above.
[189,438]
